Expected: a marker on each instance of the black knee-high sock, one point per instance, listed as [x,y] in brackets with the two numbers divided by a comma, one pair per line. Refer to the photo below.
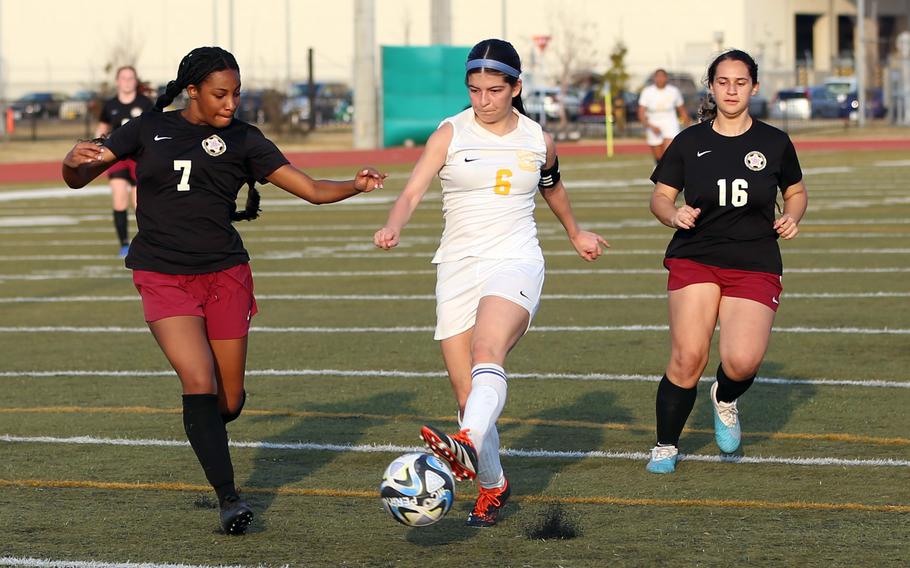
[120,224]
[205,431]
[729,390]
[674,404]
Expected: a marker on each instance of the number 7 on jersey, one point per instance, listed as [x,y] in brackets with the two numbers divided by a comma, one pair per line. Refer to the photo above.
[185,166]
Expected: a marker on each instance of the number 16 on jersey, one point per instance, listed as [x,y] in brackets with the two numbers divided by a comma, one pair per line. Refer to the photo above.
[738,194]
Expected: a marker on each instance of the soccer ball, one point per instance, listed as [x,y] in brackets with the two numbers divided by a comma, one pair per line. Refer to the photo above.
[417,489]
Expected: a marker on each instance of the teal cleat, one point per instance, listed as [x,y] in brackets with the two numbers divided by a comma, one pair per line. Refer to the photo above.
[663,459]
[727,432]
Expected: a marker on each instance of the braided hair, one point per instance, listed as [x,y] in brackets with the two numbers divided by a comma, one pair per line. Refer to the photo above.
[194,68]
[708,109]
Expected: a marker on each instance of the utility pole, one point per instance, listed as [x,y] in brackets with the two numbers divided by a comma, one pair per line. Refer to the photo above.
[231,26]
[287,41]
[441,22]
[861,62]
[366,114]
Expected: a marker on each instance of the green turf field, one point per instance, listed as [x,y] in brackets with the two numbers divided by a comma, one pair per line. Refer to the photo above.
[344,370]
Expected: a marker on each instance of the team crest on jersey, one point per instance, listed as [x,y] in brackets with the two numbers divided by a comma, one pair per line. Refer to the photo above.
[215,146]
[756,161]
[135,111]
[526,161]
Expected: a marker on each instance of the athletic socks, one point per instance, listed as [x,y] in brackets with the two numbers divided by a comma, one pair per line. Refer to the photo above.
[120,224]
[488,396]
[674,404]
[729,390]
[205,430]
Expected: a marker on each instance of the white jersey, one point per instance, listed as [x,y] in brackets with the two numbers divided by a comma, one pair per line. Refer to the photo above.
[489,183]
[661,104]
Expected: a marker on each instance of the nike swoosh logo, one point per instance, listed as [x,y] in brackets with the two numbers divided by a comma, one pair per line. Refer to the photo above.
[522,292]
[700,154]
[157,138]
[775,300]
[471,159]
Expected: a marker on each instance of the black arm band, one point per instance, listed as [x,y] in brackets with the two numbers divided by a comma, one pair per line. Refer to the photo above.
[549,177]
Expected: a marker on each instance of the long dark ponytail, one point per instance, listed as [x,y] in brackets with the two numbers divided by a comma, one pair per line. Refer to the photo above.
[497,56]
[708,109]
[193,70]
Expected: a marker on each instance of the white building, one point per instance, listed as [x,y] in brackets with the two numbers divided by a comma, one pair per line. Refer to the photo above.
[63,45]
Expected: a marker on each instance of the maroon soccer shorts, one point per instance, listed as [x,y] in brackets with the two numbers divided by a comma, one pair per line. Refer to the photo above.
[762,287]
[224,298]
[124,169]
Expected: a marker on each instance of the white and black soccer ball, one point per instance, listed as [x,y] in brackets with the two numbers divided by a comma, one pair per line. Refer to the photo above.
[417,489]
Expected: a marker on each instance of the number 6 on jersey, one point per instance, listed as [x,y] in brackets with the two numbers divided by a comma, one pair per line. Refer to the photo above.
[503,185]
[185,166]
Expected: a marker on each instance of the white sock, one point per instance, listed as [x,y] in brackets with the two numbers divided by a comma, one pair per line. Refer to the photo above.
[484,405]
[489,468]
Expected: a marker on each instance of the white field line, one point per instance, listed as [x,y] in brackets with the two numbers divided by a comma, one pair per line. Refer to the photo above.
[426,329]
[370,228]
[120,273]
[47,563]
[397,374]
[426,297]
[543,235]
[523,453]
[367,250]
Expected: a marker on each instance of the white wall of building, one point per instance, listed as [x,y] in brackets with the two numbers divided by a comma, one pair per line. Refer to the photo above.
[64,44]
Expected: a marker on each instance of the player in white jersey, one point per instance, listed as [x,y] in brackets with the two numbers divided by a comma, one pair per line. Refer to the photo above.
[491,159]
[660,111]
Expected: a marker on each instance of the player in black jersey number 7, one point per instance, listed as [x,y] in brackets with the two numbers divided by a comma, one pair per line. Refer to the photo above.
[188,261]
[724,260]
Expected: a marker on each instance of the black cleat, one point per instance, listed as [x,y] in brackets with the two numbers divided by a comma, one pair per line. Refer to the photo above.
[489,503]
[457,450]
[236,515]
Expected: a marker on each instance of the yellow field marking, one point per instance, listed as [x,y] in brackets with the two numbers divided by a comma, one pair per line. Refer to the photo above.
[546,499]
[832,437]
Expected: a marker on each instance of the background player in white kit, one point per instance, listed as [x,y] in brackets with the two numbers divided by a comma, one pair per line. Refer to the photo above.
[660,111]
[491,159]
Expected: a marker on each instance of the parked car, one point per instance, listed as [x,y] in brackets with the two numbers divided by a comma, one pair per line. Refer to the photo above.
[78,105]
[792,104]
[334,103]
[823,103]
[592,106]
[875,105]
[844,90]
[548,100]
[40,105]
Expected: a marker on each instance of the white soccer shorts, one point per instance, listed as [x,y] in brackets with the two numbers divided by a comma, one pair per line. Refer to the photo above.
[461,284]
[669,128]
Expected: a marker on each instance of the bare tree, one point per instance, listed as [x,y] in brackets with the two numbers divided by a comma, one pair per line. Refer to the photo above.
[125,51]
[574,47]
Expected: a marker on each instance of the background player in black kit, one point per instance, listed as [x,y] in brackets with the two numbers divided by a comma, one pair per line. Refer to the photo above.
[724,260]
[127,104]
[188,261]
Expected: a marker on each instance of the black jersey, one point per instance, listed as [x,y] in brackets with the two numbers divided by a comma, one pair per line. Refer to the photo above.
[190,176]
[117,114]
[734,180]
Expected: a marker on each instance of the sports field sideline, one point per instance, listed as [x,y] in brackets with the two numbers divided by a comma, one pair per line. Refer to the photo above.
[343,371]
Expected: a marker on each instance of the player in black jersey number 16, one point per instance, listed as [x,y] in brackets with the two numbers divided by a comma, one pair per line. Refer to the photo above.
[188,261]
[724,260]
